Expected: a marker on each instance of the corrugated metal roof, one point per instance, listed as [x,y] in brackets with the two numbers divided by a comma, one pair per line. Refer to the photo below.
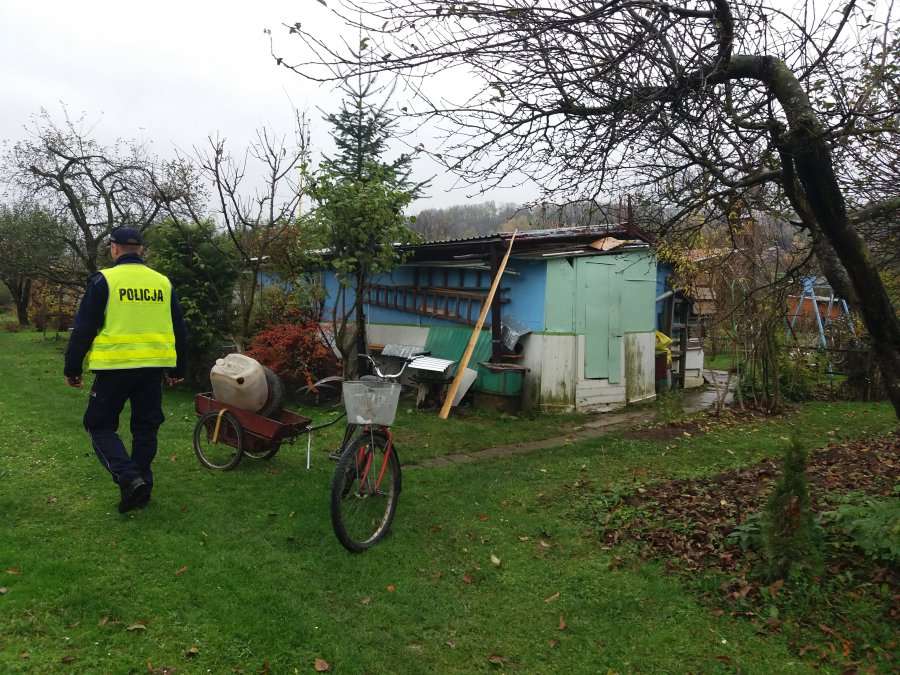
[528,244]
[574,231]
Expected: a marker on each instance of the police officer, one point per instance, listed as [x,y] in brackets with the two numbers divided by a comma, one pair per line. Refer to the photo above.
[130,327]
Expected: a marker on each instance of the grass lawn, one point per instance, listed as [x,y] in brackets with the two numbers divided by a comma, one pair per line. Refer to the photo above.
[490,566]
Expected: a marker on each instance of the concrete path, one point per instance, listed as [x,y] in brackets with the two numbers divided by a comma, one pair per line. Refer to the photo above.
[694,400]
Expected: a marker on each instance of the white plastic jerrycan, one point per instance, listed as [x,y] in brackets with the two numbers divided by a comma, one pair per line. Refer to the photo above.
[239,381]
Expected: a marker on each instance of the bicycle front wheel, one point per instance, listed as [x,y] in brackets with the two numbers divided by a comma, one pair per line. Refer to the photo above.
[364,492]
[218,441]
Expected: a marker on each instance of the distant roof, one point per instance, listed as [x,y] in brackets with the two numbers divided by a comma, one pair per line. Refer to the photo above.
[531,243]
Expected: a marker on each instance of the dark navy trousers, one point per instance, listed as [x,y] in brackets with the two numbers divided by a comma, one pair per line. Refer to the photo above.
[142,387]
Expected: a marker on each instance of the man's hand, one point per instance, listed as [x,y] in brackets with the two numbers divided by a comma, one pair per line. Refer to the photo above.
[172,381]
[74,381]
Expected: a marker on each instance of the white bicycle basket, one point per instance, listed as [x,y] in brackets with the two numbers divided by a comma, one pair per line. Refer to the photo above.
[371,402]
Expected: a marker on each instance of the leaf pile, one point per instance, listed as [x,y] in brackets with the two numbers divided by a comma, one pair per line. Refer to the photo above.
[684,523]
[686,520]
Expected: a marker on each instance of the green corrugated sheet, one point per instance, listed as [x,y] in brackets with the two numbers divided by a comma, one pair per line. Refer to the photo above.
[449,343]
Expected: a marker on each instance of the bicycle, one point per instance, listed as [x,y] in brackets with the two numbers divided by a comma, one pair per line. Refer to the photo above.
[363,494]
[364,491]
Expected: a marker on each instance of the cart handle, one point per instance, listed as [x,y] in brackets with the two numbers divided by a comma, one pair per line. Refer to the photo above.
[215,436]
[326,424]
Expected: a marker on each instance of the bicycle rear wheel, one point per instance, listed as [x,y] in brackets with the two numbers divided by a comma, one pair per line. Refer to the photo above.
[218,441]
[364,492]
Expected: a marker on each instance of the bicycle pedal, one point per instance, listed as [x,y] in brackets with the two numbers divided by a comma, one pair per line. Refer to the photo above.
[335,455]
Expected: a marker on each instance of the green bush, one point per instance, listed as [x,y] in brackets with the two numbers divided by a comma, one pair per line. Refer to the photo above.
[872,524]
[748,534]
[671,405]
[196,259]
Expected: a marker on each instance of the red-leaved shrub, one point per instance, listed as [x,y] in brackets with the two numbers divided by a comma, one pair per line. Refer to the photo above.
[295,351]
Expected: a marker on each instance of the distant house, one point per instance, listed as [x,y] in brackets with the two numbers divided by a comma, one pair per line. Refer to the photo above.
[575,306]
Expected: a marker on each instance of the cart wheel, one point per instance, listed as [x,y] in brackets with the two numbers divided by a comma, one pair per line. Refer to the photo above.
[218,441]
[326,391]
[267,452]
[275,398]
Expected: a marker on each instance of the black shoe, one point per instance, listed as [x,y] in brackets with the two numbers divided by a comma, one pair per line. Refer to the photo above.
[134,494]
[141,504]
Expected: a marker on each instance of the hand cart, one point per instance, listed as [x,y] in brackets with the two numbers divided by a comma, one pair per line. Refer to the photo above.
[224,434]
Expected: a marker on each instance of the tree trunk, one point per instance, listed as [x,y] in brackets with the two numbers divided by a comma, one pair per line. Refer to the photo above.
[361,347]
[21,294]
[807,159]
[813,162]
[22,313]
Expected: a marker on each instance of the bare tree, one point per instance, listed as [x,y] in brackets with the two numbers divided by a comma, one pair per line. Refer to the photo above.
[257,200]
[89,187]
[689,101]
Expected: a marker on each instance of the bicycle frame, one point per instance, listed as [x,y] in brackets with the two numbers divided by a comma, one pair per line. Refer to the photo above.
[370,430]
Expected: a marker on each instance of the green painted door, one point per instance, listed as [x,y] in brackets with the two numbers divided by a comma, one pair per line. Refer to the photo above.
[603,336]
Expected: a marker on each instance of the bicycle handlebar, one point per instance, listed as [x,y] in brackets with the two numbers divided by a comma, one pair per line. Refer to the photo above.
[391,377]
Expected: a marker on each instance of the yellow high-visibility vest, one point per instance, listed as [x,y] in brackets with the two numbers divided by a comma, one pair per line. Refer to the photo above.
[137,331]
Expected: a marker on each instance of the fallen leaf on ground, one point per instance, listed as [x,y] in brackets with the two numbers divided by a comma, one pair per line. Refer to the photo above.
[553,644]
[181,571]
[562,624]
[136,626]
[466,579]
[497,659]
[495,561]
[68,659]
[14,570]
[391,588]
[552,598]
[366,601]
[322,666]
[193,651]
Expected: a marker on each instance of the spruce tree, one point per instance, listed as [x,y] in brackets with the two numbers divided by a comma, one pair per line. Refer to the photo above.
[361,198]
[791,538]
[361,131]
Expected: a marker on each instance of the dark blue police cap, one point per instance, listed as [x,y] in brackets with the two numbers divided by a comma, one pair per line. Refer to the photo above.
[126,236]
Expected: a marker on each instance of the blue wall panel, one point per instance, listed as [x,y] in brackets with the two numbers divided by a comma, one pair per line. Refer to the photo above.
[527,291]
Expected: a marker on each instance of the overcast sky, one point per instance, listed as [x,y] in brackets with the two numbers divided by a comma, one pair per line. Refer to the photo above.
[173,72]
